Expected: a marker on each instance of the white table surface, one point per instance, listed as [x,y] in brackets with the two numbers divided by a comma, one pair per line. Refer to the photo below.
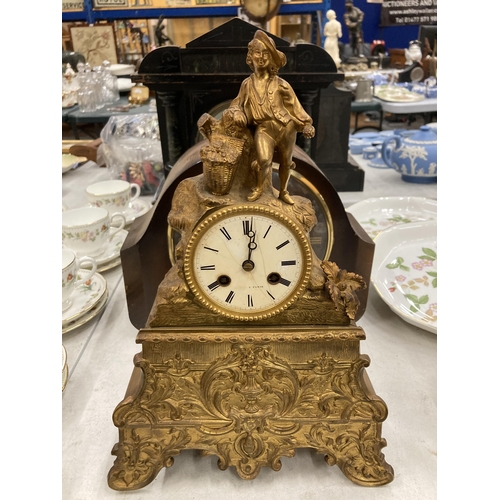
[100,360]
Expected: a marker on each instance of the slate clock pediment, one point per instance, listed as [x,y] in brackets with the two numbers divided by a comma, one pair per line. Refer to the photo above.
[206,73]
[234,33]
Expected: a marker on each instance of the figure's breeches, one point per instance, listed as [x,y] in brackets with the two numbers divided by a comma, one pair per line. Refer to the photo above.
[271,136]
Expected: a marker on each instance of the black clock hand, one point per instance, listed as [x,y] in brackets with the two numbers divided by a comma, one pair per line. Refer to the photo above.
[248,265]
[251,245]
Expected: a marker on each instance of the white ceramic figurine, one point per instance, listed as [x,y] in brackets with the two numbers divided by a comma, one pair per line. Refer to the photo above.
[333,31]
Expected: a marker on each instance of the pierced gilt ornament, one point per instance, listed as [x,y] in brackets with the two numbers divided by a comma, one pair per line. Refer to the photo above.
[250,350]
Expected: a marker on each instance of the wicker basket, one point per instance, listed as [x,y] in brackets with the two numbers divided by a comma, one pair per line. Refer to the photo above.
[220,161]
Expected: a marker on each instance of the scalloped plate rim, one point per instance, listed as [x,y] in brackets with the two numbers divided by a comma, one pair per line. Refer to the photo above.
[429,229]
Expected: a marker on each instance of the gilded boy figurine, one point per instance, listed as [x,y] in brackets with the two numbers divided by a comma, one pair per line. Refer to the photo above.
[268,104]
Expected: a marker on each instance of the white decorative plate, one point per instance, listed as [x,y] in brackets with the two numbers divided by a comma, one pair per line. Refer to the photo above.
[404,272]
[69,161]
[85,318]
[121,69]
[378,214]
[393,93]
[85,296]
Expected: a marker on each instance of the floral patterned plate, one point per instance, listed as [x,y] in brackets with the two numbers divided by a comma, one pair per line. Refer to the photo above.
[378,214]
[85,296]
[404,272]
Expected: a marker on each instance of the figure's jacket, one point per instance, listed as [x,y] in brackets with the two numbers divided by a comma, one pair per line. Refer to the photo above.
[281,100]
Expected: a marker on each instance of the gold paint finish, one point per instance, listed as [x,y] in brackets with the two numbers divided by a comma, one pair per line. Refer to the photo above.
[249,398]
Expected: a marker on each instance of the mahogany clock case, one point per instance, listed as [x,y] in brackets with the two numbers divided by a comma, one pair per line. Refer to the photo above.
[146,256]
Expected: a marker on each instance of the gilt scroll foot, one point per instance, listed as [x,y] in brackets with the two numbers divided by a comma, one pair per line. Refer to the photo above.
[356,451]
[141,456]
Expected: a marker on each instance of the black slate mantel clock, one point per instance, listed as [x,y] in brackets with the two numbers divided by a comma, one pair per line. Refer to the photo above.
[196,79]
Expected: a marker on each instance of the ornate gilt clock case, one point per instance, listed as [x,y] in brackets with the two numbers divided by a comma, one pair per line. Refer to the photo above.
[250,347]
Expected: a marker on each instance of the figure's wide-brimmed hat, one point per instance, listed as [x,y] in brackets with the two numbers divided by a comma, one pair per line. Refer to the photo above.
[278,57]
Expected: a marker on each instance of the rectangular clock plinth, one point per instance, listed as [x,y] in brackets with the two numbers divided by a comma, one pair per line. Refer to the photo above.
[249,396]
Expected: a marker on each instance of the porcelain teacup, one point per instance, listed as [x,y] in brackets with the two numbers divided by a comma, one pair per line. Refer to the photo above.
[71,264]
[87,230]
[114,195]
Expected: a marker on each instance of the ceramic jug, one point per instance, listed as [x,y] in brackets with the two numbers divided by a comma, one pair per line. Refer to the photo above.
[415,157]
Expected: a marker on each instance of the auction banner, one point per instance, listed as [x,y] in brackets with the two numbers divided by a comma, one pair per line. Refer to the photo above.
[401,12]
[72,5]
[110,3]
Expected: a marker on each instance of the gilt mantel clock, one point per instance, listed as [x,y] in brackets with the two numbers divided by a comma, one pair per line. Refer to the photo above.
[250,349]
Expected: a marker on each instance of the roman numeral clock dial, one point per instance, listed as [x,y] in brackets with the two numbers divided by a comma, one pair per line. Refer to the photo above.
[247,262]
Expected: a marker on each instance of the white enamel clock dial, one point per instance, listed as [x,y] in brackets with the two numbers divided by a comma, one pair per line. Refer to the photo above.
[247,262]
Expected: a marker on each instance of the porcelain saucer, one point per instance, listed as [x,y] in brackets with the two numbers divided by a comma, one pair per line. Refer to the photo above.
[111,251]
[64,357]
[72,325]
[64,367]
[109,265]
[377,163]
[64,377]
[135,209]
[364,135]
[85,296]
